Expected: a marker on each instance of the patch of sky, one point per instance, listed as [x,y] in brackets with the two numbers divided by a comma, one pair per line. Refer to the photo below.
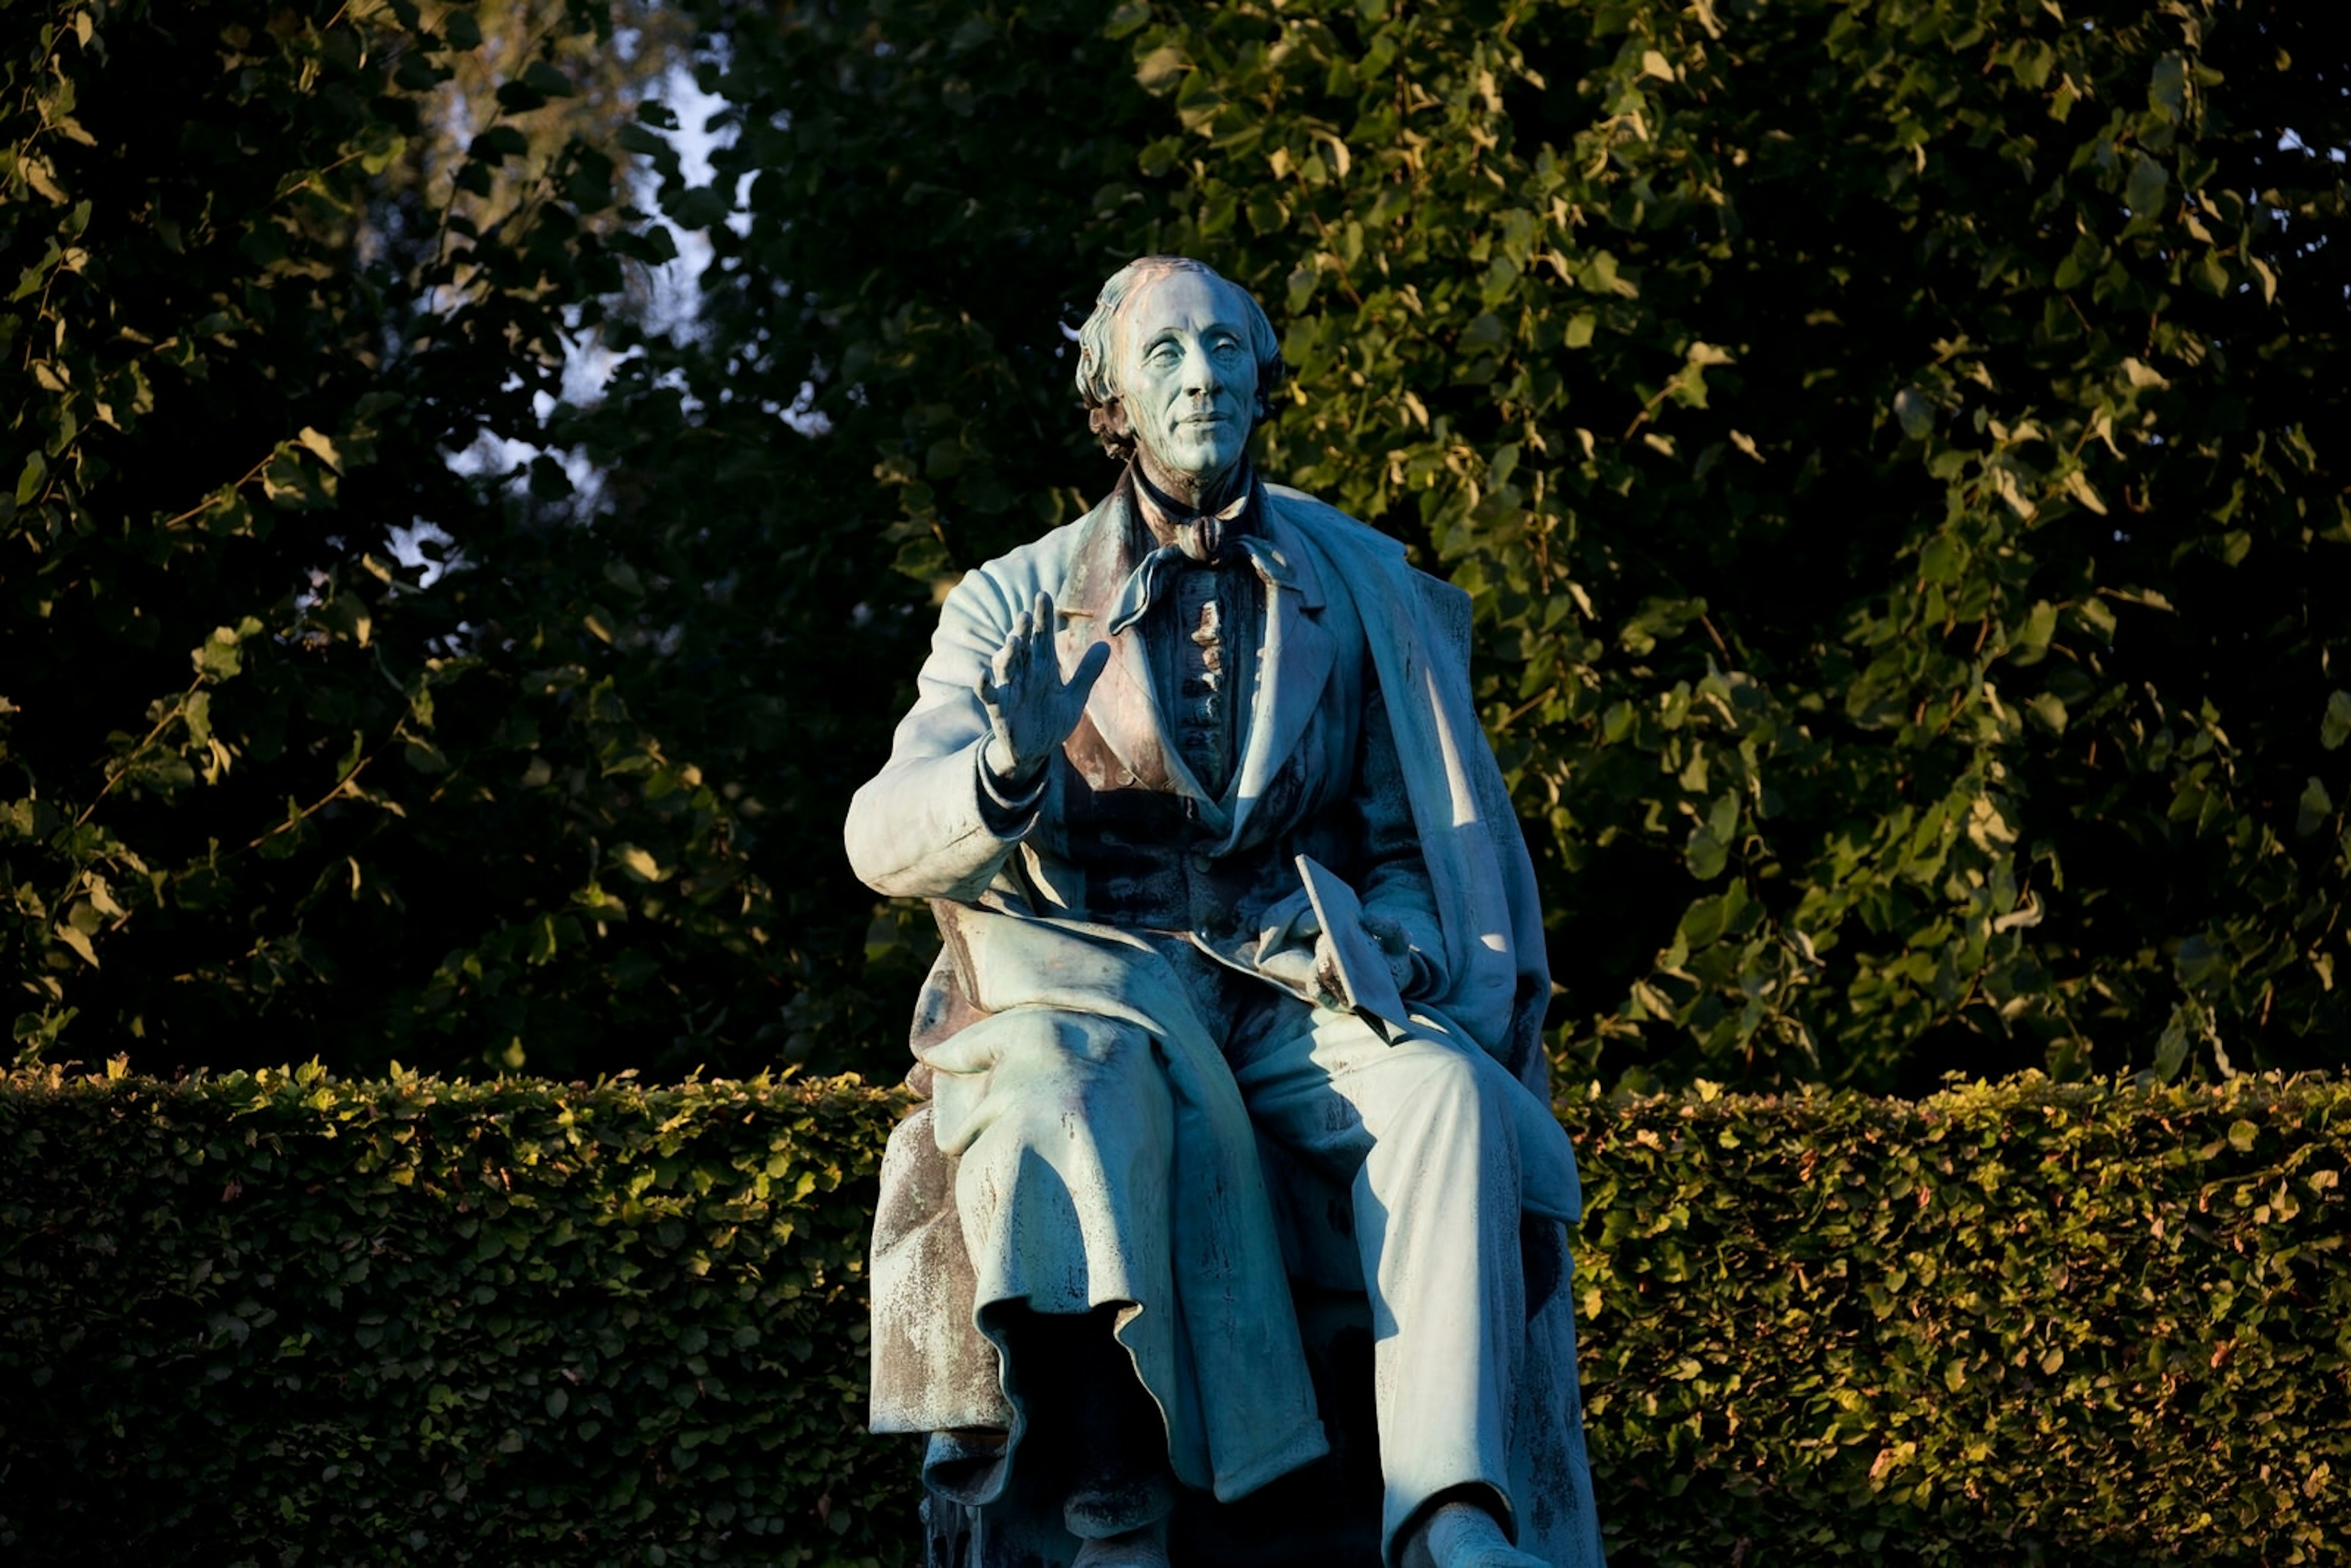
[703,131]
[669,305]
[2292,142]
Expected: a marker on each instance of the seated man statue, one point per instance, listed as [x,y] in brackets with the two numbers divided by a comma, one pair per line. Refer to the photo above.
[1228,884]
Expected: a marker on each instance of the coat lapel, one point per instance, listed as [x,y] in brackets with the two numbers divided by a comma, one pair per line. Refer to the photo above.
[1122,713]
[1293,667]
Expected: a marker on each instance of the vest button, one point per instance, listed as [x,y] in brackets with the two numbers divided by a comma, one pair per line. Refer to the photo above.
[1199,861]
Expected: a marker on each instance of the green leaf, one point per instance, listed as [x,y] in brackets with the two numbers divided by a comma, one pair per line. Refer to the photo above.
[79,941]
[2171,1048]
[547,81]
[1160,155]
[499,142]
[2030,641]
[460,31]
[1705,854]
[219,655]
[1914,412]
[639,863]
[2034,62]
[322,446]
[700,207]
[2335,727]
[2312,809]
[1159,69]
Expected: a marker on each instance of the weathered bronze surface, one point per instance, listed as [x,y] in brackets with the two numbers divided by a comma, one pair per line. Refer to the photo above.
[1221,1235]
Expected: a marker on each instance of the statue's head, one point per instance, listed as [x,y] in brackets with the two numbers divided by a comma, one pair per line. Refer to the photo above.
[1179,362]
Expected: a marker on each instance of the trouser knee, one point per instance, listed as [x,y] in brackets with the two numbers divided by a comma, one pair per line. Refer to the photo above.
[1435,1085]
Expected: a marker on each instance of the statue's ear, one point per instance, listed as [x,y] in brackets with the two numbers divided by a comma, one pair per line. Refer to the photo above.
[1112,427]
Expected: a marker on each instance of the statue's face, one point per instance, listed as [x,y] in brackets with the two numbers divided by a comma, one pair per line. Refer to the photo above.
[1185,377]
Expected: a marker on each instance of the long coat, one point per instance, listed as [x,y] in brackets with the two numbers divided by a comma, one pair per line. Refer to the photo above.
[1215,1340]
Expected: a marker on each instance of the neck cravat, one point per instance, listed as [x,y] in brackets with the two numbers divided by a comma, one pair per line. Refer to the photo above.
[1200,539]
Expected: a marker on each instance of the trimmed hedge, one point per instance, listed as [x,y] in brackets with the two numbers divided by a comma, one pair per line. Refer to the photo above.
[276,1318]
[2007,1324]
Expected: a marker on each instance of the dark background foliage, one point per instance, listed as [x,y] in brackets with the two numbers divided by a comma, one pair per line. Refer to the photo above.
[1892,444]
[427,797]
[280,1317]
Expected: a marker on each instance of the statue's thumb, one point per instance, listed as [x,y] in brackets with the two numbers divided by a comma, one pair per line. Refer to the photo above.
[1090,666]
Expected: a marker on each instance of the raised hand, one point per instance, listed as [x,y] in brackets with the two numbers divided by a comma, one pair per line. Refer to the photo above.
[1031,708]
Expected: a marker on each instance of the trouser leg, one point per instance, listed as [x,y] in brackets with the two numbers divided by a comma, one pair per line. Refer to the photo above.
[1437,1227]
[1102,1447]
[1064,1146]
[1098,1164]
[1429,1143]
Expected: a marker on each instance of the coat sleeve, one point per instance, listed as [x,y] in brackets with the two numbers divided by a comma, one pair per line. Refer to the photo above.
[933,822]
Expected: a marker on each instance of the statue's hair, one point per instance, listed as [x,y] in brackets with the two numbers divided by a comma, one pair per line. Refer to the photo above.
[1097,345]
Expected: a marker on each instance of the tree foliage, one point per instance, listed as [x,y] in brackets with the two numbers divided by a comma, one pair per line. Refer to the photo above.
[1886,441]
[1879,436]
[324,715]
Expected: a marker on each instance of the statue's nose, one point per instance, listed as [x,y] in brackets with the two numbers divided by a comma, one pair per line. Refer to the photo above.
[1200,377]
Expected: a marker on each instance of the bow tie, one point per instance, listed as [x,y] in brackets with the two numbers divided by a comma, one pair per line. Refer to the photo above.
[1145,584]
[1201,539]
[1201,536]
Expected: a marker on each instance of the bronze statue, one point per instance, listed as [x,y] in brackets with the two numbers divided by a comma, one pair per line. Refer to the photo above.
[1238,1013]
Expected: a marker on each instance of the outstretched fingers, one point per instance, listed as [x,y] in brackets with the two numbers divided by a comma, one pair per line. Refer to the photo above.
[1010,661]
[1042,655]
[1037,625]
[1030,707]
